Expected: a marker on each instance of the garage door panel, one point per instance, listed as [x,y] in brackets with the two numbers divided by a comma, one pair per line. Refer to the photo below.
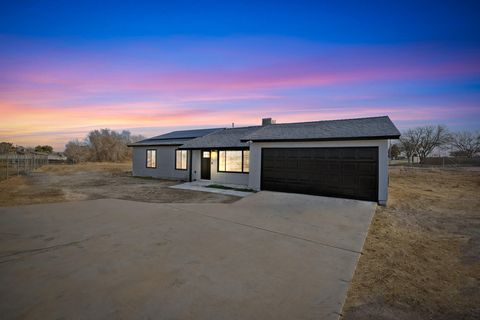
[349,167]
[366,154]
[339,172]
[367,168]
[349,154]
[349,180]
[367,181]
[333,153]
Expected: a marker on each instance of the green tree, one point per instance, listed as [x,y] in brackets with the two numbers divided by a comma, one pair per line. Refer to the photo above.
[394,151]
[5,147]
[45,149]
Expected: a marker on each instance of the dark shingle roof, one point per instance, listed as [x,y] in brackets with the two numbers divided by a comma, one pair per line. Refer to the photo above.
[366,128]
[347,129]
[226,138]
[159,142]
[185,134]
[174,138]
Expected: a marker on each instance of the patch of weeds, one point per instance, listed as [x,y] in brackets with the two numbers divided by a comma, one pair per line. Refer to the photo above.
[146,178]
[219,186]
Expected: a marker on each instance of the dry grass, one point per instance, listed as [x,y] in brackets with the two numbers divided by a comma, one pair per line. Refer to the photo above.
[18,191]
[422,258]
[88,181]
[21,190]
[87,167]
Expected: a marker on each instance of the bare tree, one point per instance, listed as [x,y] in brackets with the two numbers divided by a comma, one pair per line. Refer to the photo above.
[422,141]
[431,137]
[409,142]
[135,138]
[77,151]
[466,143]
[102,145]
[109,145]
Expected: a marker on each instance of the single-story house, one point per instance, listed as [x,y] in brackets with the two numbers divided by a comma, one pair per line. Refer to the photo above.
[339,158]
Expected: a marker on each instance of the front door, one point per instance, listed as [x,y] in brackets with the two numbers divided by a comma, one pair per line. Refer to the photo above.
[205,169]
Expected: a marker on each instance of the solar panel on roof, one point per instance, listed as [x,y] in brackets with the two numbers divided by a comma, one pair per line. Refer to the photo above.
[184,134]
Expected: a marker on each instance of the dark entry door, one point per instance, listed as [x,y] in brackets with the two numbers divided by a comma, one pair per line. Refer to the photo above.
[336,172]
[205,168]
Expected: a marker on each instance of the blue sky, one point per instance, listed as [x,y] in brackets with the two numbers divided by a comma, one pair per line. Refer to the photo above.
[156,66]
[326,21]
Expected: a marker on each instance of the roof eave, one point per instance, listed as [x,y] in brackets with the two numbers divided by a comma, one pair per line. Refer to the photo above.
[324,139]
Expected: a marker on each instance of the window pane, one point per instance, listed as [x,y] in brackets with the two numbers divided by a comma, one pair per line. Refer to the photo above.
[206,154]
[246,160]
[221,160]
[181,159]
[178,159]
[184,159]
[234,161]
[151,158]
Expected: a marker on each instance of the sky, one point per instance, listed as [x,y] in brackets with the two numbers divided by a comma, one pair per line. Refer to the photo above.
[151,67]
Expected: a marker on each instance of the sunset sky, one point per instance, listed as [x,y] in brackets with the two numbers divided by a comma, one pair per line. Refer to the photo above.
[155,67]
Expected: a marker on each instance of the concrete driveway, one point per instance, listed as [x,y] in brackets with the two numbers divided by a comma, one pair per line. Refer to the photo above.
[267,256]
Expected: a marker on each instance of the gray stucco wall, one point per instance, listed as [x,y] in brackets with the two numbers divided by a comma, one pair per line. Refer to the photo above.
[220,177]
[196,165]
[256,158]
[165,163]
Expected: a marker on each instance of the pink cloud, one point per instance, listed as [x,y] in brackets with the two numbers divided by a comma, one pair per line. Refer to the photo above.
[215,82]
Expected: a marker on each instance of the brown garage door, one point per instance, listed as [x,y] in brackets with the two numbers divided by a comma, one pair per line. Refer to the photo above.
[336,172]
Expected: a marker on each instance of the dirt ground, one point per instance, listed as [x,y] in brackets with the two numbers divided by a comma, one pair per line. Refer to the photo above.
[422,255]
[57,183]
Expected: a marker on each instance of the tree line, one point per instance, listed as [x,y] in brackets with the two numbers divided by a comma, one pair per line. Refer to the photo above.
[7,147]
[422,141]
[102,145]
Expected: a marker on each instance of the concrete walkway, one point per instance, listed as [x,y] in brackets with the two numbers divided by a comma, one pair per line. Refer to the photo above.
[203,186]
[267,256]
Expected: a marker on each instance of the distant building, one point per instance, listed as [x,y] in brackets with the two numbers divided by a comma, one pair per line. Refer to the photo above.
[57,157]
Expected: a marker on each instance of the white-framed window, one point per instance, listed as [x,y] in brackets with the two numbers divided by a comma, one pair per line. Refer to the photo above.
[181,159]
[233,161]
[151,158]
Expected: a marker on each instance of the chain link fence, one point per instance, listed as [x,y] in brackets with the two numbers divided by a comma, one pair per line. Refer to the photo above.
[439,162]
[14,163]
